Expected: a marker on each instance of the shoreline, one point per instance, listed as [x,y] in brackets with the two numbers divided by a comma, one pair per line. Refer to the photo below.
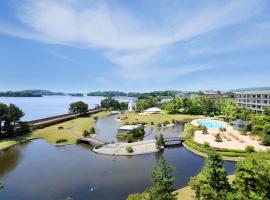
[204,155]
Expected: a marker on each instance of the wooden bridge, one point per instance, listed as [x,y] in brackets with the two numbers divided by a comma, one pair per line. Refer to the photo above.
[92,141]
[173,140]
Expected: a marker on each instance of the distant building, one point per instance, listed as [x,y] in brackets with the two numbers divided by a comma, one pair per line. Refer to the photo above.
[240,125]
[184,95]
[212,95]
[229,95]
[132,105]
[163,99]
[256,101]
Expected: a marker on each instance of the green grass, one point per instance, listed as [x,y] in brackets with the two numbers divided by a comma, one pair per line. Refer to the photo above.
[72,130]
[227,154]
[131,117]
[188,131]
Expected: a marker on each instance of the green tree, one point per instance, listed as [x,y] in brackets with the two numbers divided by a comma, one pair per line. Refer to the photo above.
[78,107]
[252,179]
[212,182]
[110,103]
[266,129]
[12,117]
[162,180]
[3,112]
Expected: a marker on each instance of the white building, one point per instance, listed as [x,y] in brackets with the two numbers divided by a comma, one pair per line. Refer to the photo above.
[132,105]
[254,100]
[153,110]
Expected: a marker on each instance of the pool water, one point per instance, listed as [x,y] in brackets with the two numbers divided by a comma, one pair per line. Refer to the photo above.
[210,124]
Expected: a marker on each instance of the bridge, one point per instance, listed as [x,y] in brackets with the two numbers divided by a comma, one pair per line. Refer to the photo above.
[173,140]
[92,141]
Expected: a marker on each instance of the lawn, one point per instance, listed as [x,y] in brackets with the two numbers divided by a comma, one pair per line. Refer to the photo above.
[131,117]
[72,130]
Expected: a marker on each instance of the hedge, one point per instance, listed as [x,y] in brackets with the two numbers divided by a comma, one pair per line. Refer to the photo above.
[224,152]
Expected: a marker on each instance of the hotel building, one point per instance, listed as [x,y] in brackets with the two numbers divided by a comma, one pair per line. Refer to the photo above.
[253,100]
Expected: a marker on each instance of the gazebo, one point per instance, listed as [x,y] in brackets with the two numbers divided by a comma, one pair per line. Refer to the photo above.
[240,125]
[153,110]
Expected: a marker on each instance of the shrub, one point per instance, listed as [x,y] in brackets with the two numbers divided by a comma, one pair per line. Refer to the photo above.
[92,130]
[159,125]
[206,144]
[222,129]
[266,140]
[61,140]
[129,149]
[218,138]
[78,141]
[266,129]
[166,123]
[249,149]
[152,123]
[86,133]
[173,121]
[98,146]
[204,130]
[96,118]
[113,142]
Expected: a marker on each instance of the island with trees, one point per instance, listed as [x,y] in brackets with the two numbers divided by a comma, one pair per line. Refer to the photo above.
[30,93]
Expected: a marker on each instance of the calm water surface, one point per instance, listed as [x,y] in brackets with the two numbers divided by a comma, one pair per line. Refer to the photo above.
[47,106]
[38,170]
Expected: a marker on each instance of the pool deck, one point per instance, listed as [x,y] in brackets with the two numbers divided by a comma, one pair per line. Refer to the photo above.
[232,139]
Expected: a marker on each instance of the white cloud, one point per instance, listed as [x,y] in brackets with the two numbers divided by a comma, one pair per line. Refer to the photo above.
[137,47]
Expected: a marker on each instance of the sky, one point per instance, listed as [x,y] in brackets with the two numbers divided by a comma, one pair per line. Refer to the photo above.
[134,45]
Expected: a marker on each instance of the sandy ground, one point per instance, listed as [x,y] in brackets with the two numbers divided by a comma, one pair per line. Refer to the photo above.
[119,149]
[232,139]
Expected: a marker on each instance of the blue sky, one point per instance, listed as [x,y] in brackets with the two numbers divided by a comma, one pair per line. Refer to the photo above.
[89,45]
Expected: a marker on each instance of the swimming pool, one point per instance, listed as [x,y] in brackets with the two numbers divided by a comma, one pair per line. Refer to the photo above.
[210,124]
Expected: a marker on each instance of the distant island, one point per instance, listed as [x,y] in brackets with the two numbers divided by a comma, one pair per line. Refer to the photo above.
[30,93]
[76,94]
[106,93]
[133,94]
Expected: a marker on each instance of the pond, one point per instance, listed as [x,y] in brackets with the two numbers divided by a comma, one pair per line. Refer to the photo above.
[107,128]
[38,170]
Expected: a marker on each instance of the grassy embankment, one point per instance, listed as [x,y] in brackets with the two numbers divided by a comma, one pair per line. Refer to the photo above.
[188,194]
[132,117]
[200,149]
[72,130]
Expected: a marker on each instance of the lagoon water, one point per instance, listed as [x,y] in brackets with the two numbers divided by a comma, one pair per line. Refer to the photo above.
[39,170]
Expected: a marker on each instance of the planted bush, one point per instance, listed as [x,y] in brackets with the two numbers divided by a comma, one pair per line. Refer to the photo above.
[129,149]
[266,140]
[204,130]
[86,133]
[249,149]
[165,123]
[159,125]
[152,123]
[61,140]
[98,146]
[218,138]
[206,144]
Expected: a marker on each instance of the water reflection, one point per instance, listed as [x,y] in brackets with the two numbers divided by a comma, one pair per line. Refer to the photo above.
[10,159]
